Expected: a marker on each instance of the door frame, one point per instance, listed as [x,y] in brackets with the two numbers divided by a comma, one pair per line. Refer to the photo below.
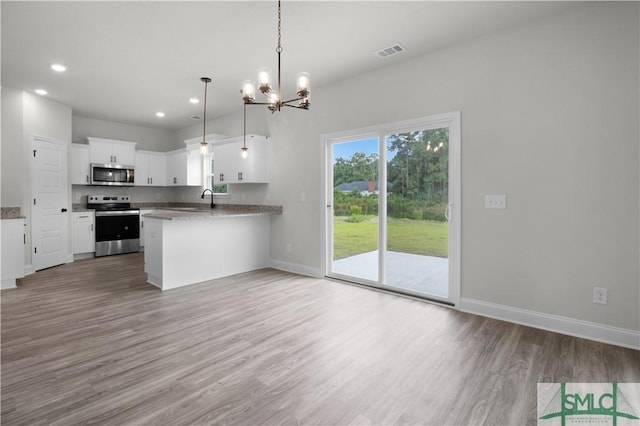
[452,120]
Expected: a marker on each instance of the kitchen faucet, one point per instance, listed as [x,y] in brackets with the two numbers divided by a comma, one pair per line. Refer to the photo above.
[204,192]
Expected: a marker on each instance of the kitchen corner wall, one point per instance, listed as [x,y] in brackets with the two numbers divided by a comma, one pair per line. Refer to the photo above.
[25,115]
[549,117]
[11,151]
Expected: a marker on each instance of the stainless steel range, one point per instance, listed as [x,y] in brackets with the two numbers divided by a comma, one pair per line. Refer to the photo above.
[117,224]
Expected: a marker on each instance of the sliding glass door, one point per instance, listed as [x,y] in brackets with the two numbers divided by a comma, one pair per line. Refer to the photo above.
[393,207]
[417,228]
[354,197]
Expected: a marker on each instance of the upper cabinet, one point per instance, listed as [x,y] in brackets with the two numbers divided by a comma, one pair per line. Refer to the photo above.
[150,168]
[184,167]
[231,167]
[79,163]
[105,151]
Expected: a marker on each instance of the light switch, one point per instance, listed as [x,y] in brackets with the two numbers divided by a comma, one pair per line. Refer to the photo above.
[495,201]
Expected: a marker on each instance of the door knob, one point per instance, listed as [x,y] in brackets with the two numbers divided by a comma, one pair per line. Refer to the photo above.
[63,210]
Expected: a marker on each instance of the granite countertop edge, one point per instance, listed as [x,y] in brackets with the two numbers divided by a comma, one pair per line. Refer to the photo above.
[11,213]
[203,215]
[200,210]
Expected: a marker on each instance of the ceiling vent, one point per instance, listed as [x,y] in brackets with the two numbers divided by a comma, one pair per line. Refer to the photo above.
[390,51]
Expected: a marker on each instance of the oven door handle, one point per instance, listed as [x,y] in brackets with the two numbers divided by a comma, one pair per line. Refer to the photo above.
[117,212]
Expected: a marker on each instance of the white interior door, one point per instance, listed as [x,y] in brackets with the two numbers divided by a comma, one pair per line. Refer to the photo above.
[49,216]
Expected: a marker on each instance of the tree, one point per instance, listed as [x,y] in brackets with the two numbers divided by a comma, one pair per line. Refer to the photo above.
[419,167]
[358,167]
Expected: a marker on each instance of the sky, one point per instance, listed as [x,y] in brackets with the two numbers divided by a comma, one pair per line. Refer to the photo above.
[347,149]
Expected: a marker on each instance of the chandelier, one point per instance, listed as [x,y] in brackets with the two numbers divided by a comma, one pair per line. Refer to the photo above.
[273,96]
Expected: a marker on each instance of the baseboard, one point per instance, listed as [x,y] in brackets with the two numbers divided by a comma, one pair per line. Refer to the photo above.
[28,269]
[8,283]
[572,327]
[82,256]
[295,268]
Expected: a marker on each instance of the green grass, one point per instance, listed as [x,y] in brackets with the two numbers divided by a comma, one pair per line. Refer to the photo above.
[425,237]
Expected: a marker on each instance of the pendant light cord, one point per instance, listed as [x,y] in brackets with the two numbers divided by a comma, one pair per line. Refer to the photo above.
[204,118]
[279,51]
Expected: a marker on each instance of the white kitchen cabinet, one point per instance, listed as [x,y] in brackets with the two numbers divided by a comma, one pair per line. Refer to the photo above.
[12,260]
[231,167]
[105,151]
[184,167]
[150,168]
[84,235]
[142,213]
[79,172]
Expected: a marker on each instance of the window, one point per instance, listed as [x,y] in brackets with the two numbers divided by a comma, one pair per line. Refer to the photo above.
[209,180]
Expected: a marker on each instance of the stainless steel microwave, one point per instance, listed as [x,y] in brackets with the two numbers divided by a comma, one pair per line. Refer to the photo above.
[112,174]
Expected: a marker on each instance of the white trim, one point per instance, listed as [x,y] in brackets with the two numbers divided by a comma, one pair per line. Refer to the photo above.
[570,326]
[211,138]
[295,268]
[8,284]
[28,269]
[450,120]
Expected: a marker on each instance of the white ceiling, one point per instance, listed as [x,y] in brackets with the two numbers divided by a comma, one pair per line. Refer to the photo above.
[127,60]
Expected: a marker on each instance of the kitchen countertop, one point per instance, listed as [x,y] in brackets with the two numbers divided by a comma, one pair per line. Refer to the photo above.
[221,210]
[11,213]
[176,213]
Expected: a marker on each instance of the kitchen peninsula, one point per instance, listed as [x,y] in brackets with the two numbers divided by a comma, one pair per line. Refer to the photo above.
[191,245]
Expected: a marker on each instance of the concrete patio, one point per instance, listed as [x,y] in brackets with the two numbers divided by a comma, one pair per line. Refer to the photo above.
[422,274]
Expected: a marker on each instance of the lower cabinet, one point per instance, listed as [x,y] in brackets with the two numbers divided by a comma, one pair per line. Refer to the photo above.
[142,213]
[84,234]
[12,259]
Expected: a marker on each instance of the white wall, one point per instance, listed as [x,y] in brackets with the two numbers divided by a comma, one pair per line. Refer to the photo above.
[549,118]
[11,148]
[148,138]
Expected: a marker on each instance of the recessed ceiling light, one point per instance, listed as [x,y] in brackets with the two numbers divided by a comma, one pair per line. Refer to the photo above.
[41,92]
[58,67]
[160,114]
[194,100]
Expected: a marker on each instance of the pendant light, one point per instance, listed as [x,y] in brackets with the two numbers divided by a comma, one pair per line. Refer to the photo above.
[244,148]
[204,146]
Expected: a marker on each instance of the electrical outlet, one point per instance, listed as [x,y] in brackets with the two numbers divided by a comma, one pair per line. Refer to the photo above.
[600,295]
[495,201]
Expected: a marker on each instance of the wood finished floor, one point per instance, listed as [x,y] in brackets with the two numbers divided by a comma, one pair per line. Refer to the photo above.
[91,342]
